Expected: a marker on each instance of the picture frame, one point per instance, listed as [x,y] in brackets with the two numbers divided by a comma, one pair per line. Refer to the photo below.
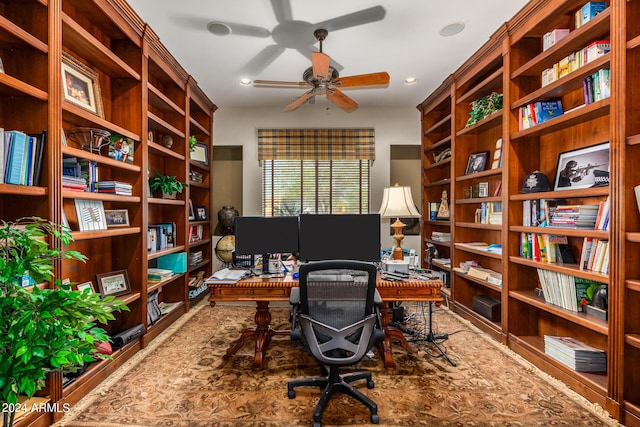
[117,217]
[114,283]
[477,162]
[201,213]
[200,153]
[90,215]
[82,287]
[583,168]
[121,148]
[192,214]
[81,86]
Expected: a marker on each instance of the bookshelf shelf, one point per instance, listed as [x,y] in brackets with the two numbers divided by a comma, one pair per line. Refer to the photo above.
[480,282]
[492,120]
[11,86]
[153,286]
[163,102]
[156,254]
[440,125]
[490,84]
[163,151]
[570,269]
[559,231]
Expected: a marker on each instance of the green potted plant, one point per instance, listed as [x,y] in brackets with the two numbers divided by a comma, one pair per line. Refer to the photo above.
[167,184]
[192,143]
[42,330]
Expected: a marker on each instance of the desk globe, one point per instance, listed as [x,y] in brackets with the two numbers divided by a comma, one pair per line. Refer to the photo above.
[225,247]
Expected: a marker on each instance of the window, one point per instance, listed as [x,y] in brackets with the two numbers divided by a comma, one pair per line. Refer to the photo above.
[292,187]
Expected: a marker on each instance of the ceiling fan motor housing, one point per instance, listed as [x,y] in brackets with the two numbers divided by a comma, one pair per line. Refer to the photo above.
[308,76]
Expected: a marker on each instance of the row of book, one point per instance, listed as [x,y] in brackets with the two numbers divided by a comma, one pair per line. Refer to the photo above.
[595,255]
[575,61]
[565,290]
[161,236]
[597,86]
[114,187]
[538,112]
[575,354]
[21,157]
[588,11]
[87,170]
[489,213]
[195,233]
[555,213]
[546,248]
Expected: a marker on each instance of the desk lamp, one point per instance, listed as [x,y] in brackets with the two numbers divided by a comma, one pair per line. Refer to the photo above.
[398,203]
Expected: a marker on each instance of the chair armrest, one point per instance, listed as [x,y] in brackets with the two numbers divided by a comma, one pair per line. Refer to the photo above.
[377,299]
[294,296]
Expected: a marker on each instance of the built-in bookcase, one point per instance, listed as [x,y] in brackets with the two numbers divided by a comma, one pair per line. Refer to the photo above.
[143,95]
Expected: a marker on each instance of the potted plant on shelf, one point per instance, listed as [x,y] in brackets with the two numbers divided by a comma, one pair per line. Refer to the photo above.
[42,330]
[167,184]
[192,143]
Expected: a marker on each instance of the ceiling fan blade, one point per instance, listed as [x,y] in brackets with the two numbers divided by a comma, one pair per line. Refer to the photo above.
[341,100]
[363,16]
[320,63]
[362,80]
[262,60]
[282,10]
[281,84]
[299,101]
[224,28]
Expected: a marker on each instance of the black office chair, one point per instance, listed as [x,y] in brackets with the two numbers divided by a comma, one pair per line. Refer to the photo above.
[335,317]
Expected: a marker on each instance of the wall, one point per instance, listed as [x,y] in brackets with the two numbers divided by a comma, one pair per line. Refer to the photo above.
[393,126]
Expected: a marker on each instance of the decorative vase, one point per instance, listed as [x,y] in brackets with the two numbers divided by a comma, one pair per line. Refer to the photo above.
[226,216]
[170,196]
[167,141]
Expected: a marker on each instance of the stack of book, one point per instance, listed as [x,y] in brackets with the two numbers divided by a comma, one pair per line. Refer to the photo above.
[114,187]
[73,183]
[574,216]
[155,275]
[440,236]
[195,257]
[575,354]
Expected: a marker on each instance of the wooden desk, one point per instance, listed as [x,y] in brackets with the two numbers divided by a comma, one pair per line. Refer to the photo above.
[263,291]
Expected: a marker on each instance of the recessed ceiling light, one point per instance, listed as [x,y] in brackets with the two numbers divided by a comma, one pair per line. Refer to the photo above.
[245,82]
[410,81]
[452,29]
[218,28]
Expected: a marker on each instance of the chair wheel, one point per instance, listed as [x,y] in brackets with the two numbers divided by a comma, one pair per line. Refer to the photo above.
[370,384]
[375,419]
[316,424]
[291,393]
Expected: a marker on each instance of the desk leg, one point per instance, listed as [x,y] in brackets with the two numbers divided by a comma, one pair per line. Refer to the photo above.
[261,333]
[391,334]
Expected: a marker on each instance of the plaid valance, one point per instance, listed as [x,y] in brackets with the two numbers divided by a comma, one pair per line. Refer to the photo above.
[316,144]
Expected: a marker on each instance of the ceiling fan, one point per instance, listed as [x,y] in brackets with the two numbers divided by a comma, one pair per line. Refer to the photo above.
[323,79]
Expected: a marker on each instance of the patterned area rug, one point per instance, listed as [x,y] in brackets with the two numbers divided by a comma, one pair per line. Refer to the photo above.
[184,379]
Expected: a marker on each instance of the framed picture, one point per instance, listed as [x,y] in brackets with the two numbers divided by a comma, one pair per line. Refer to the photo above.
[117,217]
[86,287]
[477,162]
[192,215]
[121,148]
[200,153]
[80,85]
[90,214]
[114,283]
[583,168]
[201,213]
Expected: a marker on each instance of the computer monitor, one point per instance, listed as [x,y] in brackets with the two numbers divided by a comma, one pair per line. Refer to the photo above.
[264,235]
[348,236]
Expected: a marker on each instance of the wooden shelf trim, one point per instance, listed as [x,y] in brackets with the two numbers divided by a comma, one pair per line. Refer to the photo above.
[193,122]
[439,183]
[476,175]
[103,234]
[563,194]
[165,125]
[440,222]
[479,281]
[559,231]
[441,163]
[569,269]
[164,151]
[490,84]
[76,152]
[633,285]
[11,86]
[633,43]
[481,252]
[199,265]
[565,84]
[577,39]
[633,340]
[23,190]
[633,139]
[477,200]
[199,165]
[632,237]
[438,242]
[93,51]
[439,124]
[161,201]
[21,36]
[157,254]
[590,322]
[72,113]
[153,286]
[106,197]
[198,185]
[163,102]
[198,243]
[446,141]
[479,226]
[585,113]
[492,120]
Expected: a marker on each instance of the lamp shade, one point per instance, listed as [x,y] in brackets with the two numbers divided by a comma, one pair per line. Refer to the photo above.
[398,203]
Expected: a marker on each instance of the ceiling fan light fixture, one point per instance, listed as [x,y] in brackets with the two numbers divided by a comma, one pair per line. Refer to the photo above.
[451,29]
[410,81]
[219,28]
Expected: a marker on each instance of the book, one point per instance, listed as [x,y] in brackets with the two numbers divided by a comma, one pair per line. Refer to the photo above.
[16,156]
[575,354]
[41,148]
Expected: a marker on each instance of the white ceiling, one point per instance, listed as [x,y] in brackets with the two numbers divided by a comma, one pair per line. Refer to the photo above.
[404,42]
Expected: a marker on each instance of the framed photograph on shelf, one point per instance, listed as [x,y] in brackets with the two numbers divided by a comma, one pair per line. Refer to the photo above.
[201,213]
[80,85]
[117,217]
[200,153]
[86,287]
[121,148]
[477,162]
[114,283]
[583,168]
[192,215]
[90,214]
